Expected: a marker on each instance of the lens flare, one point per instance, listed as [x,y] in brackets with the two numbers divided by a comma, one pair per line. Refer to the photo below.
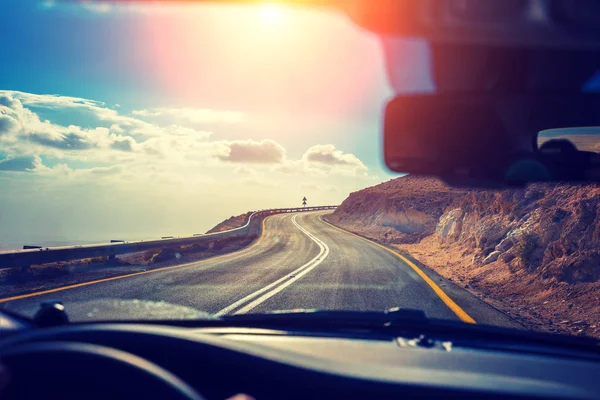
[272,14]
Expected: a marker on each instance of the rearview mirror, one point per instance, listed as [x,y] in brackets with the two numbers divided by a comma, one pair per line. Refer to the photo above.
[491,139]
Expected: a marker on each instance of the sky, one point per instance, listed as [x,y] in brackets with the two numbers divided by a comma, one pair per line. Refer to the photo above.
[139,121]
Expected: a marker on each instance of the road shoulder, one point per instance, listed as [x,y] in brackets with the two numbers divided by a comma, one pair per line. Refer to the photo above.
[476,308]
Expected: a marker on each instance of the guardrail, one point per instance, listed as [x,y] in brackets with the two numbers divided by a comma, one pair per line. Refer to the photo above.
[25,258]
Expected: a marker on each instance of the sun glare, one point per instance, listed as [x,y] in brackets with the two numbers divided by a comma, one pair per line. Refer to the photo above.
[272,14]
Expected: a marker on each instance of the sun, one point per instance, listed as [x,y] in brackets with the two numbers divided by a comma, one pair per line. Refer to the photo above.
[272,14]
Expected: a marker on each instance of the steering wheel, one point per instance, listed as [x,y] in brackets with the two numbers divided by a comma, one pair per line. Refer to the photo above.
[70,370]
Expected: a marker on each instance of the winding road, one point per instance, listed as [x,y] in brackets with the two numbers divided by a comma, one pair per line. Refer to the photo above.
[300,261]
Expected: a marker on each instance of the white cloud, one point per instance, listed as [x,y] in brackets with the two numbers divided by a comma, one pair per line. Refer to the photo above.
[245,170]
[123,144]
[94,6]
[20,126]
[63,171]
[310,186]
[121,124]
[324,160]
[128,154]
[48,3]
[318,188]
[89,108]
[189,115]
[249,151]
[97,6]
[8,123]
[52,100]
[21,163]
[113,169]
[23,131]
[327,154]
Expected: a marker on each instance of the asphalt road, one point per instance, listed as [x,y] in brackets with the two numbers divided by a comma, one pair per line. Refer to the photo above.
[299,262]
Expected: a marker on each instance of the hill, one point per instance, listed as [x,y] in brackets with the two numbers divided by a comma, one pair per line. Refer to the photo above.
[403,210]
[533,252]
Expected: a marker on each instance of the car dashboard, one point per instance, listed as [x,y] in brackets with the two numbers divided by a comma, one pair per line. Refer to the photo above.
[218,362]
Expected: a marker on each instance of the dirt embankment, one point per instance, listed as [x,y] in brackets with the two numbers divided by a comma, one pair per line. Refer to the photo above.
[397,213]
[534,252]
[231,223]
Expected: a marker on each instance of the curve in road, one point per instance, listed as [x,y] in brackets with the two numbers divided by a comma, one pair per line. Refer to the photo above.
[280,284]
[299,261]
[460,313]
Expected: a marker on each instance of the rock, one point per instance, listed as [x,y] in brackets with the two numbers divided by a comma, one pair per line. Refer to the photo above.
[489,233]
[163,255]
[555,250]
[507,257]
[493,256]
[505,244]
[449,226]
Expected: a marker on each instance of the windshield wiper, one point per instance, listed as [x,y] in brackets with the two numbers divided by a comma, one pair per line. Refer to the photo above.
[336,318]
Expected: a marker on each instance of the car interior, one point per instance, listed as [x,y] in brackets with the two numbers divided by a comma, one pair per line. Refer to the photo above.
[504,70]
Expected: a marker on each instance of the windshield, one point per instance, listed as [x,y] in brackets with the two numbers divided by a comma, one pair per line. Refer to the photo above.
[179,160]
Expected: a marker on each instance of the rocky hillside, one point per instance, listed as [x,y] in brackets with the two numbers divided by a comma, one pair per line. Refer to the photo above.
[403,210]
[553,229]
[534,252]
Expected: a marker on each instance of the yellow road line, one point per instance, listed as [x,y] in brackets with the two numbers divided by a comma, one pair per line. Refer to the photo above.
[59,289]
[460,313]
